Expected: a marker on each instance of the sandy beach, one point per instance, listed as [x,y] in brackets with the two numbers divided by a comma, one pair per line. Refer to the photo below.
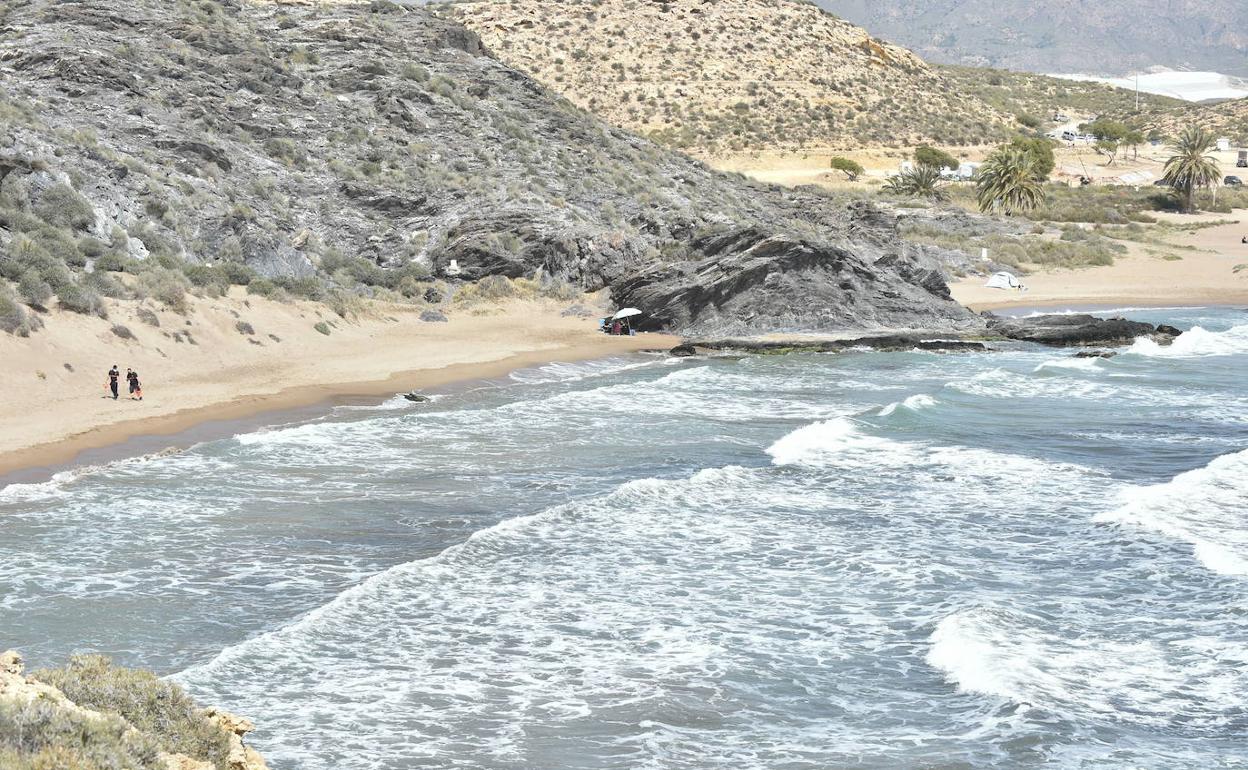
[1198,269]
[201,367]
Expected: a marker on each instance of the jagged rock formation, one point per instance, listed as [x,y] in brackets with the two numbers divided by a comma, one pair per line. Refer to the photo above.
[61,731]
[731,75]
[732,279]
[1063,35]
[279,135]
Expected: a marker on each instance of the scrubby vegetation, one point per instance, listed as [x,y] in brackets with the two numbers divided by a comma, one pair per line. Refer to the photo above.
[139,717]
[733,77]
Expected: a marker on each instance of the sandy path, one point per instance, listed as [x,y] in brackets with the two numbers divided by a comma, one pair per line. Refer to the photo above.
[1204,275]
[55,405]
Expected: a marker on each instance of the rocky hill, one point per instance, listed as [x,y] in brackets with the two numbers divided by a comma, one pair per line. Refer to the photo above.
[339,147]
[731,75]
[1063,36]
[91,715]
[1229,119]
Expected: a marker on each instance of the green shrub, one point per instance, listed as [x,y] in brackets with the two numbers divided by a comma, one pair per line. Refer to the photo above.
[106,285]
[152,705]
[237,273]
[80,299]
[851,168]
[242,327]
[167,286]
[321,327]
[61,206]
[123,332]
[12,314]
[930,156]
[43,735]
[34,290]
[263,287]
[112,262]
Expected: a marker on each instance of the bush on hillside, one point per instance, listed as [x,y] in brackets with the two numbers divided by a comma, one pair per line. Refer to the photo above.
[61,206]
[34,290]
[43,735]
[167,286]
[77,298]
[152,705]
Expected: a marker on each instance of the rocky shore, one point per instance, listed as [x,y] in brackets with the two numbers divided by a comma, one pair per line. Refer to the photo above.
[1054,330]
[131,722]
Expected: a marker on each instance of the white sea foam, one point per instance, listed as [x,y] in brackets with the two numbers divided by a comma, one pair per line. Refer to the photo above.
[583,370]
[1203,508]
[1196,343]
[1088,672]
[55,486]
[1071,362]
[913,403]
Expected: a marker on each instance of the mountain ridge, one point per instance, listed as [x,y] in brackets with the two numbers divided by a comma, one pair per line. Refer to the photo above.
[1063,36]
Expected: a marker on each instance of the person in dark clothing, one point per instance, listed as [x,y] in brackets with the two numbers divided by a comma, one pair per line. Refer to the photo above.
[113,376]
[136,390]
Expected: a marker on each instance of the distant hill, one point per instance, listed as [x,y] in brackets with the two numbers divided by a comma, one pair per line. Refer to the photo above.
[731,75]
[1063,36]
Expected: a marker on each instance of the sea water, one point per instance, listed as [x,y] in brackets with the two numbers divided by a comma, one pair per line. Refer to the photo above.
[860,560]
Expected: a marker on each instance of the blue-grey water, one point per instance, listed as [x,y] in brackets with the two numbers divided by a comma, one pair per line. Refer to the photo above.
[909,560]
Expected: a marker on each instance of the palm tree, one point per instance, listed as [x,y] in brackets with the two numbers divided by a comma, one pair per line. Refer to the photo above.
[1009,182]
[922,181]
[1192,167]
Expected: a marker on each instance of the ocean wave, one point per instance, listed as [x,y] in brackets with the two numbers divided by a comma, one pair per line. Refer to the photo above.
[1112,311]
[1196,343]
[1079,674]
[584,370]
[1203,508]
[55,486]
[913,403]
[1071,362]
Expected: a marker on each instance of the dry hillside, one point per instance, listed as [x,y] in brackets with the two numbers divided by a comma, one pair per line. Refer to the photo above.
[1228,119]
[731,75]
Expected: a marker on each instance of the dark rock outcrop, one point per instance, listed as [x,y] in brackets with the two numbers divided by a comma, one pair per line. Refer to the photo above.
[1077,330]
[884,344]
[1096,354]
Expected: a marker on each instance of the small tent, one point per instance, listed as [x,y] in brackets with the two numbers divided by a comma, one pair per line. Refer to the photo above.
[1004,281]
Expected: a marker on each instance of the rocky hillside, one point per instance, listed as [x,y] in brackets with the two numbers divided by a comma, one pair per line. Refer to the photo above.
[1229,119]
[1063,36]
[91,716]
[730,75]
[339,148]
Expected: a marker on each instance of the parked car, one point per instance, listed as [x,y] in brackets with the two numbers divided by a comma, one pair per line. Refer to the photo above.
[1243,159]
[1161,183]
[1233,181]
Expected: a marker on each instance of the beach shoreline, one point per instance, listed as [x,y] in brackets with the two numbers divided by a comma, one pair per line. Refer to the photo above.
[67,429]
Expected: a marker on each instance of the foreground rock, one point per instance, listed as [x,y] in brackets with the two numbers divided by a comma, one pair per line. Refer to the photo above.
[1079,330]
[41,727]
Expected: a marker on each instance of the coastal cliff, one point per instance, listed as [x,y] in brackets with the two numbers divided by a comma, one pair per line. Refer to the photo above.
[115,718]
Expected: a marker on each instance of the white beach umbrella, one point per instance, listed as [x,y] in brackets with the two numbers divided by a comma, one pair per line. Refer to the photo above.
[627,312]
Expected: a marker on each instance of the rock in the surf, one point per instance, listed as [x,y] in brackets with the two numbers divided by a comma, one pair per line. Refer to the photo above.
[1078,330]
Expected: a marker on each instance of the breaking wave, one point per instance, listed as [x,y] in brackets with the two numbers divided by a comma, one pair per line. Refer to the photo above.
[1203,508]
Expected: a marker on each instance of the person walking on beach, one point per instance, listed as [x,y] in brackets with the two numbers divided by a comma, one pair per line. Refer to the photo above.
[136,390]
[113,376]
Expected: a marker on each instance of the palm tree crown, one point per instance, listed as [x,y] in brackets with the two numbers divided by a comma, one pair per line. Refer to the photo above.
[1009,182]
[922,181]
[1192,167]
